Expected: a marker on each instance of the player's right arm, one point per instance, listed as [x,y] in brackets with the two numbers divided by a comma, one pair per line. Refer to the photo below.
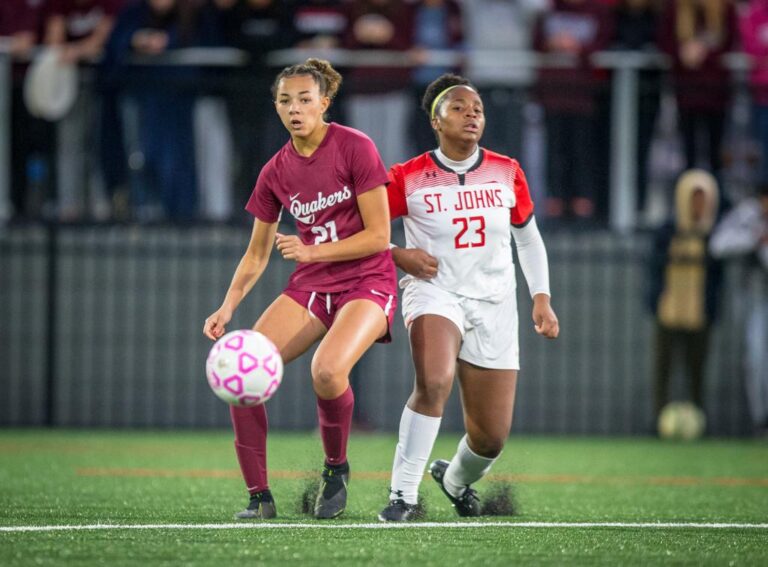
[413,261]
[248,272]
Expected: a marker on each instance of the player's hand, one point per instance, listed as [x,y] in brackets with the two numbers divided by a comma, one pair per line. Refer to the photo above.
[544,319]
[69,54]
[292,248]
[693,53]
[216,324]
[416,262]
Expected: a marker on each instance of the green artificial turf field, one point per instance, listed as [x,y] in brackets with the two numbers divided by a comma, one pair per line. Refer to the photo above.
[167,498]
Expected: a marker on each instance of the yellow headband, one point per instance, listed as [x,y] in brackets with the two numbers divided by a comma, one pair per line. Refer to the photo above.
[441,95]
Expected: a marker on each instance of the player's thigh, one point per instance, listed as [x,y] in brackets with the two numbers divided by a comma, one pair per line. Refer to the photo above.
[435,343]
[488,399]
[356,327]
[290,326]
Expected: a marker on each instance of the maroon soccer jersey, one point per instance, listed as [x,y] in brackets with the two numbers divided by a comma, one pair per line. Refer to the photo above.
[320,192]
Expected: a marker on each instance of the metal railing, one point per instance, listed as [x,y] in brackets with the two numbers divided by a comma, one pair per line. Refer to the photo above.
[626,66]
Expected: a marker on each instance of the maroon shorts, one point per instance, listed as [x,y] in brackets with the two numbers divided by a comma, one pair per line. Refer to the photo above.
[324,306]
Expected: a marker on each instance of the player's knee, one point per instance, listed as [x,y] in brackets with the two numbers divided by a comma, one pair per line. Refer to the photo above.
[326,375]
[433,391]
[488,446]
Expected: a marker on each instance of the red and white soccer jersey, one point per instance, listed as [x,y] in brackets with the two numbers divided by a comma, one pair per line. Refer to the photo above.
[463,219]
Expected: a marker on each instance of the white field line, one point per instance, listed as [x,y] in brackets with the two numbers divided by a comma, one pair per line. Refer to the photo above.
[376,526]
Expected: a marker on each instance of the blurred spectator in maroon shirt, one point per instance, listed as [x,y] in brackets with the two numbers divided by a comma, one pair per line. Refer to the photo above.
[79,29]
[258,27]
[319,23]
[638,25]
[437,25]
[165,97]
[696,33]
[378,101]
[495,31]
[754,37]
[575,29]
[80,26]
[30,137]
[18,25]
[385,25]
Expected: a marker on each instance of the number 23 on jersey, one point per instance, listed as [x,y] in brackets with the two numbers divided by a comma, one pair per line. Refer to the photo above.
[471,232]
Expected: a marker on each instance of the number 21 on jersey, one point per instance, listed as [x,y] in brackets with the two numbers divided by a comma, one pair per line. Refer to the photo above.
[471,232]
[325,232]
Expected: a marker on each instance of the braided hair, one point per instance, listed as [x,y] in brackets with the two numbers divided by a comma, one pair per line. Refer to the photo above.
[327,78]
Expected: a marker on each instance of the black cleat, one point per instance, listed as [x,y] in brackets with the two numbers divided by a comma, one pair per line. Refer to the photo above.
[332,496]
[261,507]
[400,511]
[468,504]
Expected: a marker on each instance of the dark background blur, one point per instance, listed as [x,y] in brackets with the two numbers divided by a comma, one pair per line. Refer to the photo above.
[122,221]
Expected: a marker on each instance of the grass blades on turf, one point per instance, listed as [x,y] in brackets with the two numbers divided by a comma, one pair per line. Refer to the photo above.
[56,477]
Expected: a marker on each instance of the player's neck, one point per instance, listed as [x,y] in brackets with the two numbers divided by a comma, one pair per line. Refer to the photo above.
[458,152]
[306,146]
[459,166]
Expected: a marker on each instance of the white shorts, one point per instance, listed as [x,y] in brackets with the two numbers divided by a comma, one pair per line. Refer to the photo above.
[488,330]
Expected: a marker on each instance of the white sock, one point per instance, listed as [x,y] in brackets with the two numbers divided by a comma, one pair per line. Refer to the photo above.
[467,467]
[416,439]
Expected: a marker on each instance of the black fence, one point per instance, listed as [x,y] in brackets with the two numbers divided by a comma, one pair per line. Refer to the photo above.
[101,327]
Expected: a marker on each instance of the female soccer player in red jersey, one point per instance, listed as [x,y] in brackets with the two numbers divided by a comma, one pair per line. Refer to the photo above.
[343,291]
[457,204]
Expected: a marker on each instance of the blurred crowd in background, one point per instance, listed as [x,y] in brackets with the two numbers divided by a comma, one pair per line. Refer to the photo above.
[147,140]
[152,137]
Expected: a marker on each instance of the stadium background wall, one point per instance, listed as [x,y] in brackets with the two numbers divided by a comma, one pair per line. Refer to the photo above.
[101,327]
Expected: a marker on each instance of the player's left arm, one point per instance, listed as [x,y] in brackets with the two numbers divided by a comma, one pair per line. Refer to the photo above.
[533,261]
[372,239]
[533,258]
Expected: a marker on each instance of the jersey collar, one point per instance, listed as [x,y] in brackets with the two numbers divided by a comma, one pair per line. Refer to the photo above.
[480,155]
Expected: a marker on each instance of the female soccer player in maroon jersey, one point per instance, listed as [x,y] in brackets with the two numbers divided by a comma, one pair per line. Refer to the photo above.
[343,290]
[458,205]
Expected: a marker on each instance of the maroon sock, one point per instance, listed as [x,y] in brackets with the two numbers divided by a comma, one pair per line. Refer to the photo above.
[250,425]
[335,418]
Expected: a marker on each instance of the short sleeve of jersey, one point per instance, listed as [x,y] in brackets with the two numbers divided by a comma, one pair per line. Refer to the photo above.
[522,212]
[398,205]
[368,171]
[263,204]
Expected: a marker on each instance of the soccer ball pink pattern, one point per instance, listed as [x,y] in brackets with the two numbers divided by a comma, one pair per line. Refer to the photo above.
[244,368]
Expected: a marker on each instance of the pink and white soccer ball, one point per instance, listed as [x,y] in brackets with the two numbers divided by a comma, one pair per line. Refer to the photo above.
[244,368]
